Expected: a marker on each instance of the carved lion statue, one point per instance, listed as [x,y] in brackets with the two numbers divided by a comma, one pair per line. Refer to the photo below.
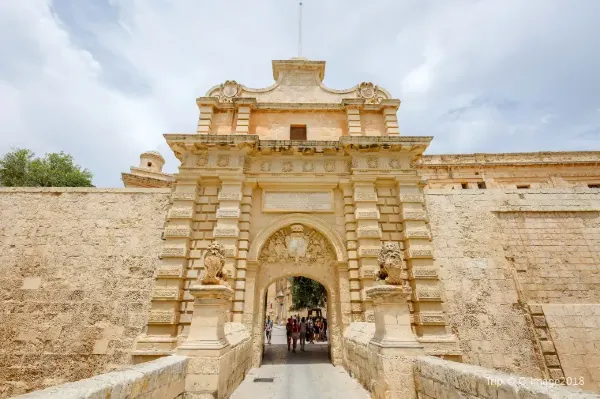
[390,264]
[214,260]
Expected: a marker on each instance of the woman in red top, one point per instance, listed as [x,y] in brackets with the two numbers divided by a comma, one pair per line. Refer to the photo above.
[295,333]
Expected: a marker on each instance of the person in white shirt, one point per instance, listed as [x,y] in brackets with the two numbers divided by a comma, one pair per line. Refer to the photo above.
[302,334]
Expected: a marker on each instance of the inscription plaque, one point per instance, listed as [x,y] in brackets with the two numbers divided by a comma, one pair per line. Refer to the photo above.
[299,201]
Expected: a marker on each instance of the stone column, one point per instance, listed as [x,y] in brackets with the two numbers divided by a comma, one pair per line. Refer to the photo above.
[394,344]
[206,343]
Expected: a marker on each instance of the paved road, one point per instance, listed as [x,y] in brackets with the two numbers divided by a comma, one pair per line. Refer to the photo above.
[298,375]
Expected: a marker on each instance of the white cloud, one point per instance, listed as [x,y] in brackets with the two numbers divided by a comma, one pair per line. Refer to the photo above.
[104,79]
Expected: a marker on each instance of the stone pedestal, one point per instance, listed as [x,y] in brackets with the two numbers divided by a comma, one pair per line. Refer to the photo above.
[394,344]
[206,343]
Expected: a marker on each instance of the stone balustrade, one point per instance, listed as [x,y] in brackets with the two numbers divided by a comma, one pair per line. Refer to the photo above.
[163,378]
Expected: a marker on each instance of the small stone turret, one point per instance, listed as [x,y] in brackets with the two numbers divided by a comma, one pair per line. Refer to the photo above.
[152,161]
[149,173]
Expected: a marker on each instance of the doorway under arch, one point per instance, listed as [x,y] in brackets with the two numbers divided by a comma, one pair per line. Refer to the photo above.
[297,246]
[317,348]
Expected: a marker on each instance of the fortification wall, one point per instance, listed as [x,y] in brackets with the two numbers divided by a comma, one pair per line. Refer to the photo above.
[76,270]
[502,251]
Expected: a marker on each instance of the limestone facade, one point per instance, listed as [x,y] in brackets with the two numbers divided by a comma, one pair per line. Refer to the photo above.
[498,253]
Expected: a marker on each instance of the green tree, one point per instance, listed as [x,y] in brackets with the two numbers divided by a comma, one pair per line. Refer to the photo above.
[307,293]
[20,168]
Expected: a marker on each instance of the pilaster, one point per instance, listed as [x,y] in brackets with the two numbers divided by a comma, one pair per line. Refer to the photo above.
[353,117]
[356,309]
[427,311]
[205,120]
[164,314]
[227,230]
[368,235]
[243,119]
[390,120]
[242,253]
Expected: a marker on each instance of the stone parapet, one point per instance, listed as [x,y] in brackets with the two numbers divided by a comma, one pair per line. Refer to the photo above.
[436,378]
[162,378]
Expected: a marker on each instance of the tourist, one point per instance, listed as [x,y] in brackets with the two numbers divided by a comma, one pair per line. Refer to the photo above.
[325,328]
[309,330]
[302,334]
[288,332]
[316,330]
[269,329]
[295,334]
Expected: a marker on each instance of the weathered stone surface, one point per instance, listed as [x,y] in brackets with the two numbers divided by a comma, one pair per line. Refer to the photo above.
[77,271]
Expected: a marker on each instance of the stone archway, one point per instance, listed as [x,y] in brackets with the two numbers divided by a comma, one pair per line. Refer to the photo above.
[298,246]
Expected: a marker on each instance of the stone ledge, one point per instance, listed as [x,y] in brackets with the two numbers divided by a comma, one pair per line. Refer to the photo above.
[93,190]
[441,378]
[163,377]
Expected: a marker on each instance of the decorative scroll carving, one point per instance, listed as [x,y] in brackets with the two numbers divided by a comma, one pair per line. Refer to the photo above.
[368,251]
[369,92]
[425,273]
[184,195]
[365,197]
[181,213]
[366,214]
[174,252]
[214,261]
[228,213]
[308,166]
[367,232]
[202,160]
[167,293]
[230,195]
[391,262]
[411,198]
[297,243]
[160,316]
[227,91]
[288,166]
[265,166]
[223,160]
[329,165]
[417,234]
[395,163]
[430,318]
[226,231]
[372,162]
[420,253]
[177,231]
[429,294]
[169,271]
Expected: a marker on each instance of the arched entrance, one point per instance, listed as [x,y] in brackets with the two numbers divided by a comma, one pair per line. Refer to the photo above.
[297,245]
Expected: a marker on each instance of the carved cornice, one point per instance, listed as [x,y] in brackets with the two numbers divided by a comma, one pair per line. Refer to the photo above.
[574,158]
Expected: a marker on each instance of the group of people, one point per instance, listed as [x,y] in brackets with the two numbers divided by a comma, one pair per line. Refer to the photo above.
[305,328]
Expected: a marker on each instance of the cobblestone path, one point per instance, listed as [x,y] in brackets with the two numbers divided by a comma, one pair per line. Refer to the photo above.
[299,375]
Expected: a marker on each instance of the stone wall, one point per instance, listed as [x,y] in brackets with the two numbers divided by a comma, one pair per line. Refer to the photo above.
[575,332]
[436,378]
[160,379]
[500,249]
[76,270]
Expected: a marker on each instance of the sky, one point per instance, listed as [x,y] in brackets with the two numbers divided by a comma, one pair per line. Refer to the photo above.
[102,80]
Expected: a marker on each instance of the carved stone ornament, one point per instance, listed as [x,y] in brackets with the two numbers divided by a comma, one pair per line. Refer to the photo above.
[287,166]
[368,92]
[228,91]
[214,260]
[298,244]
[391,261]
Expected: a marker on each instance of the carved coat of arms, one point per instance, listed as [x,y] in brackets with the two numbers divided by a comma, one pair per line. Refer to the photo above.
[297,242]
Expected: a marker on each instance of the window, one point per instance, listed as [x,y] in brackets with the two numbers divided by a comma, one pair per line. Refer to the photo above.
[464,185]
[523,186]
[593,185]
[481,185]
[149,164]
[298,132]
